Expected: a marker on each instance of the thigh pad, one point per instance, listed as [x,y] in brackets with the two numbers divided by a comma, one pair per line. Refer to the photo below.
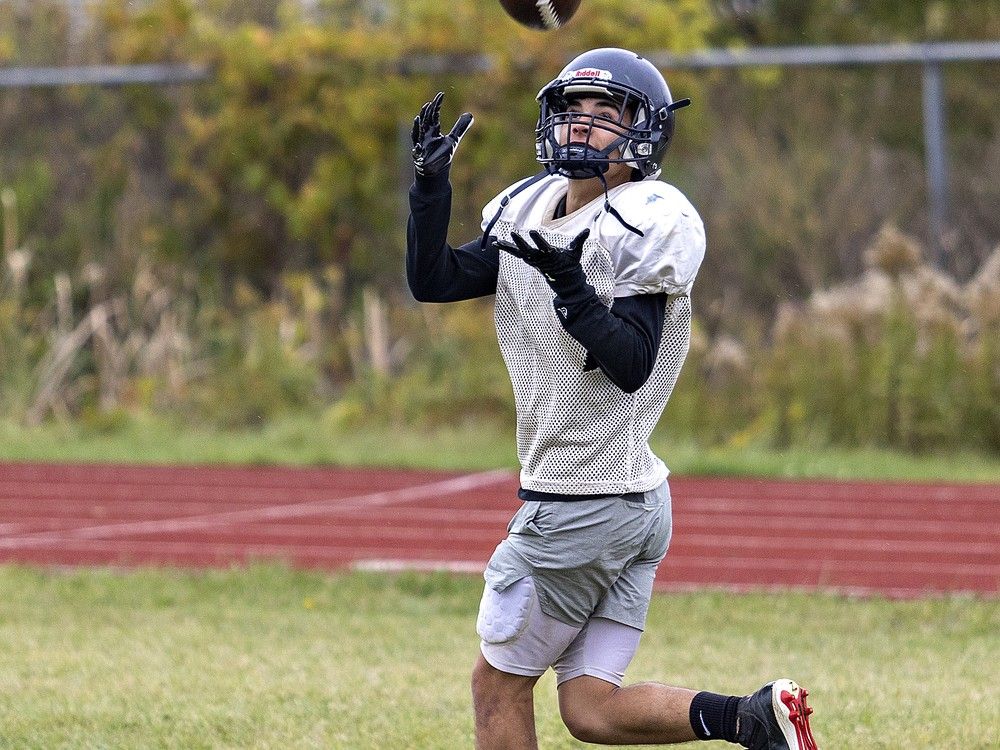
[503,615]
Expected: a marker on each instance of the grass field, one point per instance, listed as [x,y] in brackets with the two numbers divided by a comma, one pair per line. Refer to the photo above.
[304,441]
[266,657]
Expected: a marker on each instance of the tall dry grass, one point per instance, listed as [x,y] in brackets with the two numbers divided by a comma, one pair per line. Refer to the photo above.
[107,343]
[903,356]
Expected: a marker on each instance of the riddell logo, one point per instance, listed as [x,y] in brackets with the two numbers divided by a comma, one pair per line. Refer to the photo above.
[604,75]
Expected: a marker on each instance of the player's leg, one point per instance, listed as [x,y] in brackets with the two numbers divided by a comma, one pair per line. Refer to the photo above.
[504,709]
[775,717]
[519,642]
[640,714]
[597,709]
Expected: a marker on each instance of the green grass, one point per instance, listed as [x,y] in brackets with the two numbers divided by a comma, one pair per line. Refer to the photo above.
[829,463]
[299,441]
[267,657]
[304,441]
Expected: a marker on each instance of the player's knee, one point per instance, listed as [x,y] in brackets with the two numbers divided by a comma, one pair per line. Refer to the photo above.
[584,723]
[492,684]
[489,688]
[481,682]
[583,706]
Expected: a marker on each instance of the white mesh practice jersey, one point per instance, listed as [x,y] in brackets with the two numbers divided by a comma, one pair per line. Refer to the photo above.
[577,432]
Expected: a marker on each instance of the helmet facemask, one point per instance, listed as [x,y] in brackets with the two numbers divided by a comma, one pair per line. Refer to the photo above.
[634,136]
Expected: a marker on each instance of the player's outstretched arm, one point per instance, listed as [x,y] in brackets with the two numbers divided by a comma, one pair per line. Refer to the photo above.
[435,271]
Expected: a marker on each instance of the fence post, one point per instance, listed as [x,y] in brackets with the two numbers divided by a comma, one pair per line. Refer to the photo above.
[935,153]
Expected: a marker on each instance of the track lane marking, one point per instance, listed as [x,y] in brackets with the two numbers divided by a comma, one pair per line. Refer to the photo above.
[673,564]
[487,537]
[463,521]
[870,507]
[468,482]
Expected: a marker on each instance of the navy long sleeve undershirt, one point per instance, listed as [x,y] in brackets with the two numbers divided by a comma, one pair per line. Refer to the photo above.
[435,271]
[622,341]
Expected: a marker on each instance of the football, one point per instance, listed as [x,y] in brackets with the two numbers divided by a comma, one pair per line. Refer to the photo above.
[541,14]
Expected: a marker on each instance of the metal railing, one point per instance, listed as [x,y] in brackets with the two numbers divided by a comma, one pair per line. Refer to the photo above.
[931,55]
[101,75]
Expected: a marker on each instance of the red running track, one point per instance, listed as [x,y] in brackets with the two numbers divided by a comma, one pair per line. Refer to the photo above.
[896,539]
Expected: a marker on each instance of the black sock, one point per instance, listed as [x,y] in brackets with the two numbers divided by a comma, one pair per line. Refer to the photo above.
[713,716]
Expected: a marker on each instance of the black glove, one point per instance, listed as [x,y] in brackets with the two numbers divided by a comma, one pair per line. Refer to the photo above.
[433,152]
[560,266]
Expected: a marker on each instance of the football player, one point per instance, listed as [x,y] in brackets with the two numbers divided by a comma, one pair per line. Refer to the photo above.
[592,262]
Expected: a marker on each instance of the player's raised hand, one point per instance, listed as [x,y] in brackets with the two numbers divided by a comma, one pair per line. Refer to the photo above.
[550,260]
[560,266]
[432,151]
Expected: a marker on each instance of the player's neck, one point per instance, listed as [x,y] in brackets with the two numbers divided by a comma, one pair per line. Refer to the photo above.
[582,192]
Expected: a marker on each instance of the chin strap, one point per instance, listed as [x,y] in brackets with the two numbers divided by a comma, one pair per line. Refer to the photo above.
[618,143]
[612,210]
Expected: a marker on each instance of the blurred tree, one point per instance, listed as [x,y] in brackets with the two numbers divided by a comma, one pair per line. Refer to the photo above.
[294,155]
[808,163]
[297,151]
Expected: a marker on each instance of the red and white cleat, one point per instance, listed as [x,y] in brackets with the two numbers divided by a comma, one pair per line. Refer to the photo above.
[776,717]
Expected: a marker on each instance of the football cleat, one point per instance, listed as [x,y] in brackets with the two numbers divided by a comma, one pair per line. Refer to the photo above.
[776,717]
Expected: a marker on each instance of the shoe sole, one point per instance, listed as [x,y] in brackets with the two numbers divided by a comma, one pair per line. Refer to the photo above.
[789,703]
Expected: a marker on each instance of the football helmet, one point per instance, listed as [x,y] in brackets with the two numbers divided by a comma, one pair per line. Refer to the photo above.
[630,81]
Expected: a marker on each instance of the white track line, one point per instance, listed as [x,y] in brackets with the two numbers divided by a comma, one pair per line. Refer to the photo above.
[704,563]
[156,494]
[468,483]
[462,519]
[868,492]
[699,565]
[393,565]
[282,533]
[849,544]
[828,506]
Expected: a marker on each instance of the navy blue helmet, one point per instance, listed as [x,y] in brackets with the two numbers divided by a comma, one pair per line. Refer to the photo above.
[639,90]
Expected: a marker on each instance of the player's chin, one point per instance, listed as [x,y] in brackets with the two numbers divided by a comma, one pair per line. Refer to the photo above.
[620,172]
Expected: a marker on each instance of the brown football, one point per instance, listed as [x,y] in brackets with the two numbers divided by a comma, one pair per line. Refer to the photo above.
[541,14]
